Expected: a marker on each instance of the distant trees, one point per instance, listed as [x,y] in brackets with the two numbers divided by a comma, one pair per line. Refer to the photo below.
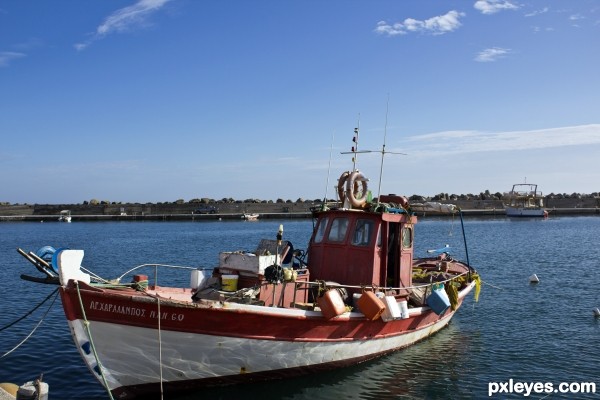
[440,197]
[96,202]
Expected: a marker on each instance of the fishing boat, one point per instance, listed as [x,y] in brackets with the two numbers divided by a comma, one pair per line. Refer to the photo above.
[524,200]
[357,292]
[250,216]
[64,216]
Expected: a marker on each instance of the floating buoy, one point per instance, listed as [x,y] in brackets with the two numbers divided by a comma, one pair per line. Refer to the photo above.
[534,279]
[597,312]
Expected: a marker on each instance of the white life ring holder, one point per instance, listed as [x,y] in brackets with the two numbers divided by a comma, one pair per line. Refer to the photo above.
[353,181]
[341,184]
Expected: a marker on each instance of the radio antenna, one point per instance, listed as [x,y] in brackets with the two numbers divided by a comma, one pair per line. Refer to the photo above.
[355,140]
[387,109]
[382,151]
[354,150]
[329,167]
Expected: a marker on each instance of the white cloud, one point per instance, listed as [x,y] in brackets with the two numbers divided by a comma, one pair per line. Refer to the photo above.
[458,142]
[492,54]
[537,29]
[6,57]
[438,25]
[82,46]
[125,19]
[493,6]
[537,12]
[29,44]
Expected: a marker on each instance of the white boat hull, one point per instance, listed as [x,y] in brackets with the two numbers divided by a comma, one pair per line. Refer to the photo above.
[131,356]
[136,360]
[525,212]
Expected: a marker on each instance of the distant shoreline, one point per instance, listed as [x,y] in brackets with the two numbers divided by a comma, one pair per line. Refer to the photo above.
[268,215]
[234,210]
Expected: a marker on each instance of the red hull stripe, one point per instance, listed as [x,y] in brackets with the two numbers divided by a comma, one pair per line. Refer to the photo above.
[142,311]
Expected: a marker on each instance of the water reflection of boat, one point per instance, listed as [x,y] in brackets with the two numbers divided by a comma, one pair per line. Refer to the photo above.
[357,293]
[524,200]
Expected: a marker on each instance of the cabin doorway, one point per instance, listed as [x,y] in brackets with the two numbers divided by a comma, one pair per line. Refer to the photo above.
[393,255]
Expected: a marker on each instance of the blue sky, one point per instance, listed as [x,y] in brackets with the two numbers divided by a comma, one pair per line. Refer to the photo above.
[159,100]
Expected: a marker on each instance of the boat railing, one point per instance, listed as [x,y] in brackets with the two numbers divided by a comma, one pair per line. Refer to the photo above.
[298,285]
[317,286]
[332,285]
[525,194]
[155,267]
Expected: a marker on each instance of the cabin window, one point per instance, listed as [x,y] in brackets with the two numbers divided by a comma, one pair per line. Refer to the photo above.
[321,230]
[363,231]
[407,237]
[338,229]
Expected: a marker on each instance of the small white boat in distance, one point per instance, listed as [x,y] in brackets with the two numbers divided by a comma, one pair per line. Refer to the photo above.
[524,200]
[250,217]
[65,216]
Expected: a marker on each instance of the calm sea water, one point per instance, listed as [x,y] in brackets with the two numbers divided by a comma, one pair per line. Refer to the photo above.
[529,333]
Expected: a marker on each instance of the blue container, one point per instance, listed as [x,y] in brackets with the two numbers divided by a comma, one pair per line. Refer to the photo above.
[438,299]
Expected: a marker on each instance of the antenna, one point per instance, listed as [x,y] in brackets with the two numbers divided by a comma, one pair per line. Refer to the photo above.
[354,148]
[329,167]
[382,151]
[387,108]
[355,140]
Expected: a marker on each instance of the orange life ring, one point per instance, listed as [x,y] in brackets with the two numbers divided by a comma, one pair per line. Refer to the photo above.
[356,189]
[341,183]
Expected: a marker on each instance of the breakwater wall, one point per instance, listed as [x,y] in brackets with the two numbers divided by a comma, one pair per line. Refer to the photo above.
[232,211]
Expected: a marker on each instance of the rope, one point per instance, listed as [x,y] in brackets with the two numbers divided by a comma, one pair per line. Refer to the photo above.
[97,277]
[489,284]
[160,365]
[86,324]
[38,386]
[462,225]
[28,313]
[34,329]
[140,286]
